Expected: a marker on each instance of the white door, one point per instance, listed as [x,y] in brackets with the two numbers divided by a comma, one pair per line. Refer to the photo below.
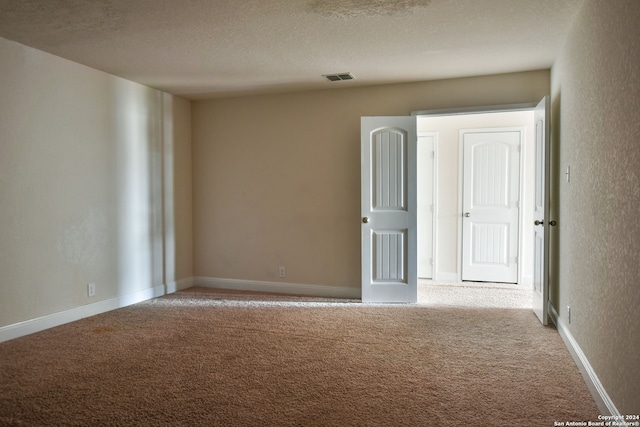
[388,152]
[541,212]
[426,203]
[490,205]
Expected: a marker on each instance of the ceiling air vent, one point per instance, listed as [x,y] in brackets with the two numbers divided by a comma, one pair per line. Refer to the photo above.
[338,77]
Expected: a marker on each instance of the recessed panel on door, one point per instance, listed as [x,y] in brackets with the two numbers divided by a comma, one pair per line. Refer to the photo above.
[390,250]
[489,243]
[389,172]
[490,175]
[538,248]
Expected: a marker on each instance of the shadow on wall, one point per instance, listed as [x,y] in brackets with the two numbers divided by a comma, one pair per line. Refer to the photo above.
[138,186]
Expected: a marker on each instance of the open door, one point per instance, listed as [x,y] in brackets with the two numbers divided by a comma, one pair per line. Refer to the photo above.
[389,209]
[541,217]
[426,203]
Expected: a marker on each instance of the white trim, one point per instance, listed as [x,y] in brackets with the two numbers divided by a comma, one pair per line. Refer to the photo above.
[522,151]
[503,108]
[179,285]
[436,203]
[278,287]
[31,326]
[602,399]
[459,212]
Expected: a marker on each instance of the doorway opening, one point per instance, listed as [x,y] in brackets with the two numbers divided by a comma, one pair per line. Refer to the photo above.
[441,203]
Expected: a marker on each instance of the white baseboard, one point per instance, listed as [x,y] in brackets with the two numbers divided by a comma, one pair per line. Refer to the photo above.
[602,399]
[278,287]
[179,285]
[444,276]
[56,319]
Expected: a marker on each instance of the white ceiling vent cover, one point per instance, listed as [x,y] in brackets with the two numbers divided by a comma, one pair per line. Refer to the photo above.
[338,77]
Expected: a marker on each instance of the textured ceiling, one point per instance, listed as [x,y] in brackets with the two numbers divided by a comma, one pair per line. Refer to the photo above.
[212,48]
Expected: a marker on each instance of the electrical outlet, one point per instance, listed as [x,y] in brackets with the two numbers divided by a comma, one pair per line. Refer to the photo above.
[91,289]
[569,314]
[282,271]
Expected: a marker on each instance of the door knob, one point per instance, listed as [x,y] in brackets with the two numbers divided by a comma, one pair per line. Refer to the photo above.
[536,222]
[467,214]
[365,220]
[553,223]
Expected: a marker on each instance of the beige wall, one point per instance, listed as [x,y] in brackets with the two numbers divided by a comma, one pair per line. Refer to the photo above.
[81,184]
[277,177]
[596,106]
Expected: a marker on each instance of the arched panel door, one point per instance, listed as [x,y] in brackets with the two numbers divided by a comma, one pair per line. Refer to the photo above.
[389,221]
[490,205]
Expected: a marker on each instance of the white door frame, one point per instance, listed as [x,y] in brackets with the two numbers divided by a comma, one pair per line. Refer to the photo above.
[434,189]
[463,111]
[521,228]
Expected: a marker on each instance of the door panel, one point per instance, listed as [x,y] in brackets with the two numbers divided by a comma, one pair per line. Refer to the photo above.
[388,150]
[540,213]
[389,157]
[491,191]
[388,260]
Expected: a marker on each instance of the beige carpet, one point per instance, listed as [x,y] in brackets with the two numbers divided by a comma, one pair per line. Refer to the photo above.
[204,357]
[474,294]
